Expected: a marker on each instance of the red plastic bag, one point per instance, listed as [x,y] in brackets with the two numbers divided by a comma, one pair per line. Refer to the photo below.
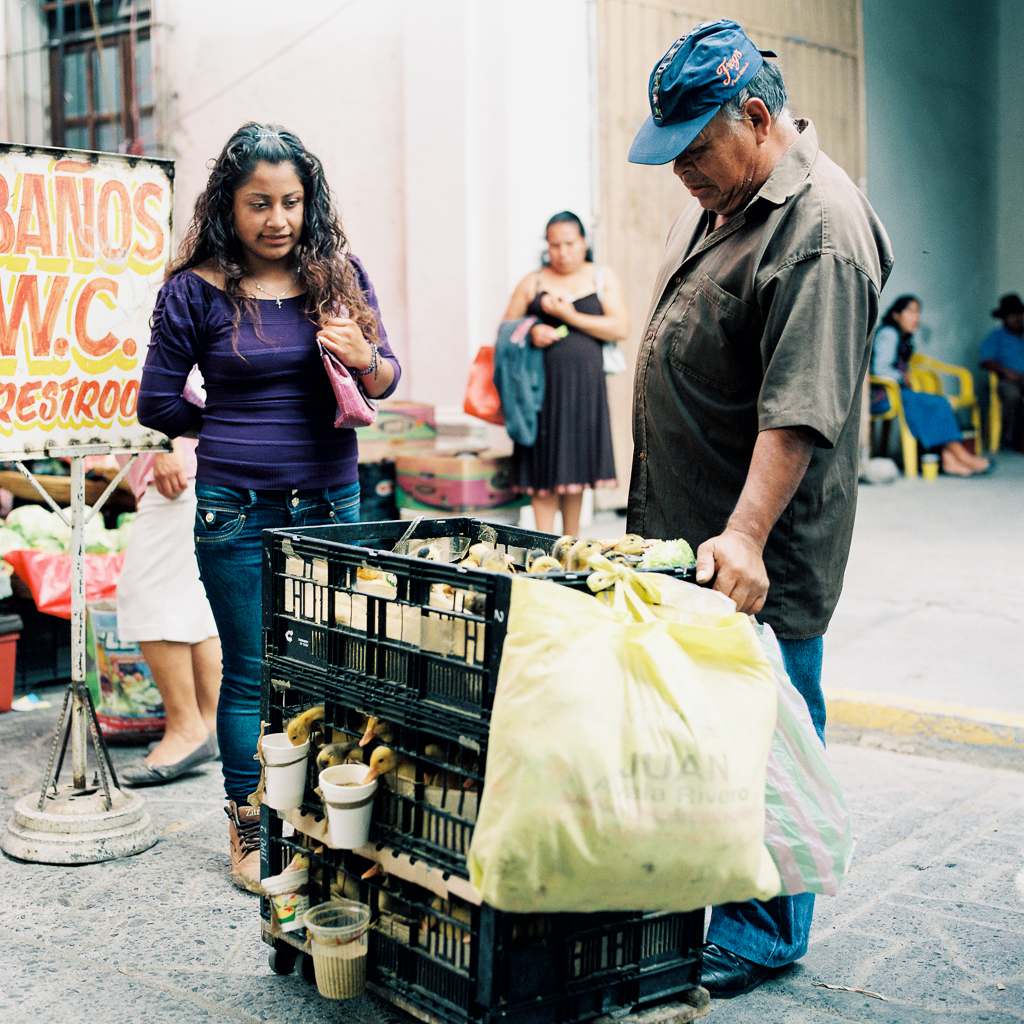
[482,398]
[48,576]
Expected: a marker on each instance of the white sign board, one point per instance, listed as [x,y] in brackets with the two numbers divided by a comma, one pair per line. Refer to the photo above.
[84,244]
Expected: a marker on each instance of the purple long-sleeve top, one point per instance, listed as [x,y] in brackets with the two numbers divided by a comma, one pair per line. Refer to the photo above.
[268,423]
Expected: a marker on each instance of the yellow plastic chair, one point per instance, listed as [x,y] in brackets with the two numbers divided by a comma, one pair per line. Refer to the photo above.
[995,412]
[895,413]
[932,376]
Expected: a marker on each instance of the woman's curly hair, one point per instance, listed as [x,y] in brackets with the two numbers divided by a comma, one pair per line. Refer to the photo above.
[329,278]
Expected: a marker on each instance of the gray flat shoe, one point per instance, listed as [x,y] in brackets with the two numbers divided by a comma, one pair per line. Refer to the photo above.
[142,774]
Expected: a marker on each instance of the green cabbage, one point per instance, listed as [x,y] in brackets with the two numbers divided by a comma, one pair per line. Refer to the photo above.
[33,522]
[11,540]
[664,554]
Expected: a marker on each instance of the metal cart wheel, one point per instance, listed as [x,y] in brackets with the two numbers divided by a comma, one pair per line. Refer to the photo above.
[282,959]
[308,968]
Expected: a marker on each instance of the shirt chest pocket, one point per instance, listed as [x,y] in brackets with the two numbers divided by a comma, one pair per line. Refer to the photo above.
[714,338]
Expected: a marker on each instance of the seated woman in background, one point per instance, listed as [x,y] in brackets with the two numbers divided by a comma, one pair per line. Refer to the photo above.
[929,417]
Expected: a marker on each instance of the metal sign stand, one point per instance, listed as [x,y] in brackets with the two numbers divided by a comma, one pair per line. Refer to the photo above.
[78,823]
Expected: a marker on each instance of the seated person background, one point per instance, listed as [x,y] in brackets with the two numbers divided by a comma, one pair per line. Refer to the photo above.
[929,417]
[1002,353]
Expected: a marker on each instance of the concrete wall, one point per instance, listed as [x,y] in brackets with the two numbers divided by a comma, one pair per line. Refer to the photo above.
[943,164]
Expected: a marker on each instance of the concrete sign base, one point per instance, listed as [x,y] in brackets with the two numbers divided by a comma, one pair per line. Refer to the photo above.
[74,827]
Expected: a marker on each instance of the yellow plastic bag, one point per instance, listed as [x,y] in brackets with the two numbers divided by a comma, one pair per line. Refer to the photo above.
[627,752]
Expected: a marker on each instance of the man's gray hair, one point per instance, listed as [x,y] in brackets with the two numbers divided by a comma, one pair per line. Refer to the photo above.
[767,85]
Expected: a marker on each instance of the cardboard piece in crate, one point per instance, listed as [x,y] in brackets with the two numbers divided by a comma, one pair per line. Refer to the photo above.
[455,480]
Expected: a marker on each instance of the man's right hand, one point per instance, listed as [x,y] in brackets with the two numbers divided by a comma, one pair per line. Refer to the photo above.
[735,562]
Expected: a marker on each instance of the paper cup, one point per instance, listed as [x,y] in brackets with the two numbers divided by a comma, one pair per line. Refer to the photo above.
[349,804]
[284,772]
[930,466]
[289,904]
[337,934]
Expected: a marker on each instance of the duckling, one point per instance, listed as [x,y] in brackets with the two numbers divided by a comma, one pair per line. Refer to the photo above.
[560,549]
[579,554]
[426,551]
[365,572]
[469,764]
[496,561]
[299,862]
[544,564]
[376,729]
[345,752]
[344,887]
[531,556]
[387,902]
[452,907]
[629,544]
[435,776]
[385,760]
[300,727]
[479,551]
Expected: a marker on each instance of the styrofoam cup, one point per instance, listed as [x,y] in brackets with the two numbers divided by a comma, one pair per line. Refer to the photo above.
[289,904]
[349,804]
[284,772]
[337,934]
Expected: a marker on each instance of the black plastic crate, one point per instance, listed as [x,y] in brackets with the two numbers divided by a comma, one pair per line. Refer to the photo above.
[462,963]
[429,634]
[427,805]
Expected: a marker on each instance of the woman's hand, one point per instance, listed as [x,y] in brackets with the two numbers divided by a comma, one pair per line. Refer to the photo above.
[556,306]
[169,473]
[542,335]
[342,337]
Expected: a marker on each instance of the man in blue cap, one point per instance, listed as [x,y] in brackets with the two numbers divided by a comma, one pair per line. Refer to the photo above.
[748,385]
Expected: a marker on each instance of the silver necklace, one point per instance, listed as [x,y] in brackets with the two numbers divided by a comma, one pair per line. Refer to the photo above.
[276,298]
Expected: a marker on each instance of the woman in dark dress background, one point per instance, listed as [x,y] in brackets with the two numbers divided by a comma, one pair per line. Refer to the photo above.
[573,450]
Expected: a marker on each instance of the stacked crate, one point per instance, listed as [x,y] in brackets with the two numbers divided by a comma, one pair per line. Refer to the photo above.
[416,644]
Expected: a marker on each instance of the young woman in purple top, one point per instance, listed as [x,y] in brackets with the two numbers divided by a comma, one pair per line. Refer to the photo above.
[262,273]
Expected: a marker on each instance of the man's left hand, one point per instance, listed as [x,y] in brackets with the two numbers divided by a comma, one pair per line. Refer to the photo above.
[735,561]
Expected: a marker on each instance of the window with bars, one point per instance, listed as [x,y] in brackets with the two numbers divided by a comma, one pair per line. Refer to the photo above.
[101,74]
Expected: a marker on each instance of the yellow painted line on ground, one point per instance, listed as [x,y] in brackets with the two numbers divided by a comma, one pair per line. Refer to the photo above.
[909,716]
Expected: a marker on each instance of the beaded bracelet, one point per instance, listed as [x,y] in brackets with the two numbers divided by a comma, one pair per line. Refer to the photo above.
[372,368]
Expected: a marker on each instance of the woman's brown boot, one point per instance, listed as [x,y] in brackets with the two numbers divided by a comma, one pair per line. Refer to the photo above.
[245,845]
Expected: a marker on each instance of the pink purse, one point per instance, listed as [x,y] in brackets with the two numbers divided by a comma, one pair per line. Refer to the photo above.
[355,409]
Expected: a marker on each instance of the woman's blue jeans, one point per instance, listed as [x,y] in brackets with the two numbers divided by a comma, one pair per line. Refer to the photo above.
[774,932]
[229,546]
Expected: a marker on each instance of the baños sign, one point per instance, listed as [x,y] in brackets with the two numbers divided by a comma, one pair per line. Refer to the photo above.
[84,243]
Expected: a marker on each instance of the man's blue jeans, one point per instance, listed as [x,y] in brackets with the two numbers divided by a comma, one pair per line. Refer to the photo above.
[229,545]
[775,932]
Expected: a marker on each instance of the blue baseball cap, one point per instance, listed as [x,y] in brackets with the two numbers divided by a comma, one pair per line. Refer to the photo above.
[700,72]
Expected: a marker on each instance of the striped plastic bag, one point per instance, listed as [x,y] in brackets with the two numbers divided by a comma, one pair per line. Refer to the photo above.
[807,824]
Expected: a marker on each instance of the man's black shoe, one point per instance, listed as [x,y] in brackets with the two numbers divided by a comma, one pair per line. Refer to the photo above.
[725,974]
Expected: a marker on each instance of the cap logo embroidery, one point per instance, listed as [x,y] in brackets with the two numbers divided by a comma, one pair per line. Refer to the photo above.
[728,66]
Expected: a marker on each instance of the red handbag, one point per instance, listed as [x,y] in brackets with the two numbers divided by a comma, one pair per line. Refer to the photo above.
[482,398]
